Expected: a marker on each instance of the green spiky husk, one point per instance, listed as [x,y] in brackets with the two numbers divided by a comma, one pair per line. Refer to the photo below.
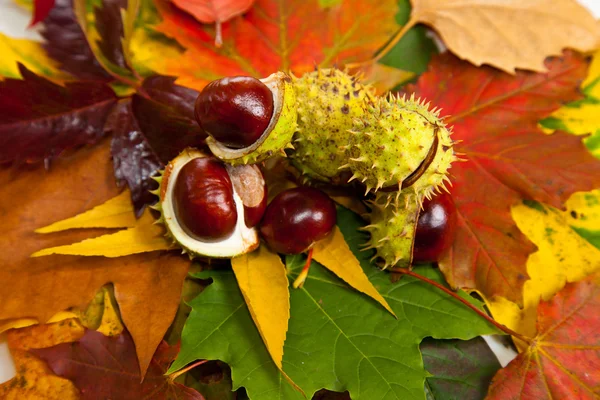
[390,142]
[328,102]
[392,229]
[278,135]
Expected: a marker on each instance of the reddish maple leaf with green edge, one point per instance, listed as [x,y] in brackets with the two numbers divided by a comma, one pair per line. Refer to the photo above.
[507,158]
[105,367]
[294,35]
[563,360]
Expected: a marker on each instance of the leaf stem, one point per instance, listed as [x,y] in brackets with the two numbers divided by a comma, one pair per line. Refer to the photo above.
[176,374]
[299,282]
[392,42]
[503,328]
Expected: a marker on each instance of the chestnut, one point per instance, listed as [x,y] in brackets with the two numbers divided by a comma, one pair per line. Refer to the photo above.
[435,229]
[296,219]
[250,185]
[203,199]
[235,111]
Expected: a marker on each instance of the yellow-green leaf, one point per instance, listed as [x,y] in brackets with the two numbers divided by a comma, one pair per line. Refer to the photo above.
[115,213]
[262,279]
[29,53]
[145,236]
[335,255]
[563,256]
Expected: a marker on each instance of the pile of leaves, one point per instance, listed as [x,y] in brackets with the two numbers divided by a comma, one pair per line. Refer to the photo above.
[107,309]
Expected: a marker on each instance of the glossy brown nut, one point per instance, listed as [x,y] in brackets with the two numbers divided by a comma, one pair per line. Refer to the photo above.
[203,200]
[253,215]
[435,229]
[235,111]
[296,219]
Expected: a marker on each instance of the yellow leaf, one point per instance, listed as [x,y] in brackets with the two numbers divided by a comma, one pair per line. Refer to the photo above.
[29,53]
[563,256]
[115,213]
[262,279]
[584,210]
[335,255]
[383,77]
[508,34]
[590,85]
[25,322]
[101,314]
[145,236]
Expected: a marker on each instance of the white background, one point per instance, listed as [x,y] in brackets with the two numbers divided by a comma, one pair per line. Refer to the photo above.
[14,21]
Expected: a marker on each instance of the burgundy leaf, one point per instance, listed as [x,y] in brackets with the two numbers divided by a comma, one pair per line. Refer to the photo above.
[41,8]
[134,161]
[107,368]
[66,43]
[150,131]
[110,28]
[39,119]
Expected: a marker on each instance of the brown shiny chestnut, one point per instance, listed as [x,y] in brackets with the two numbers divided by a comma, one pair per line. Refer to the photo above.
[435,229]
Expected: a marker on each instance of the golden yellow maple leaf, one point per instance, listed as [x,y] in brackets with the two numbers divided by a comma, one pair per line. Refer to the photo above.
[335,255]
[29,53]
[501,34]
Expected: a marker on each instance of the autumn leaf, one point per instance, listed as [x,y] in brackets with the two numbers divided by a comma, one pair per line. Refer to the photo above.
[262,279]
[66,43]
[335,340]
[507,159]
[147,286]
[40,120]
[148,131]
[29,53]
[461,369]
[209,11]
[335,255]
[41,8]
[293,35]
[106,367]
[561,360]
[508,35]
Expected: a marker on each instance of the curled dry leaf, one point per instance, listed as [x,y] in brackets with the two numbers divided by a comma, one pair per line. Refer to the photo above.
[509,34]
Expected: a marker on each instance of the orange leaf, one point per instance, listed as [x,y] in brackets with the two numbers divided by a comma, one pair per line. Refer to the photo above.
[209,11]
[335,255]
[277,35]
[562,361]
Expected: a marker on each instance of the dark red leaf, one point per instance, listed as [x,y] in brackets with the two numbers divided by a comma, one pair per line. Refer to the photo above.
[66,43]
[110,28]
[149,131]
[41,8]
[107,368]
[39,119]
[508,158]
[134,161]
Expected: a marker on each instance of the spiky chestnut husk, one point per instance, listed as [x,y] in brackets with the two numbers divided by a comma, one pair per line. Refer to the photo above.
[279,132]
[328,102]
[392,229]
[394,144]
[242,240]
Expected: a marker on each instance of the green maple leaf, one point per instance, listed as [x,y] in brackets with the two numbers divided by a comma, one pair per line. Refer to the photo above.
[337,339]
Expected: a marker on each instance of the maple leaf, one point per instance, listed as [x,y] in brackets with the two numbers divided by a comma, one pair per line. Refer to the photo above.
[562,359]
[507,159]
[110,28]
[336,339]
[462,369]
[106,367]
[292,35]
[41,8]
[485,32]
[209,11]
[66,43]
[40,120]
[149,131]
[147,286]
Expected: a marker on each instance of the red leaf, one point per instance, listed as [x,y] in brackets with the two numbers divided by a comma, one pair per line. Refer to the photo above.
[41,8]
[508,159]
[40,119]
[66,43]
[106,368]
[149,131]
[563,360]
[110,28]
[209,11]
